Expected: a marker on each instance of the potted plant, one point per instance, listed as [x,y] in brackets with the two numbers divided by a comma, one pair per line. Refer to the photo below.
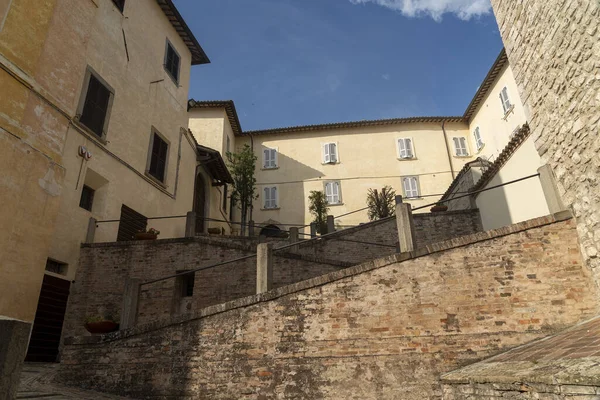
[150,234]
[98,324]
[439,207]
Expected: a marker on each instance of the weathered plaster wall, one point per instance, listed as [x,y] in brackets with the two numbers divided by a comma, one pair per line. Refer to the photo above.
[382,330]
[105,267]
[554,50]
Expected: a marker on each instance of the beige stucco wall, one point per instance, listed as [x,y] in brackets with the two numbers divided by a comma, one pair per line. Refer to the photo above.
[518,201]
[368,158]
[495,127]
[145,97]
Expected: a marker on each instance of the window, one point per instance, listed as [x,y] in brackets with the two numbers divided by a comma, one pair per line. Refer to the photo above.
[270,158]
[130,223]
[330,155]
[187,283]
[225,199]
[410,184]
[460,146]
[120,4]
[94,110]
[172,62]
[270,197]
[478,140]
[405,149]
[333,193]
[159,150]
[505,100]
[56,266]
[87,198]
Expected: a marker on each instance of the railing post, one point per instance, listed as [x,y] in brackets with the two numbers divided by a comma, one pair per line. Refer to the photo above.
[405,226]
[330,224]
[131,299]
[313,229]
[264,267]
[250,228]
[262,238]
[91,230]
[550,189]
[294,238]
[190,224]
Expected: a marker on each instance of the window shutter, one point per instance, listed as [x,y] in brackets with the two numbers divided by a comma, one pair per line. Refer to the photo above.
[401,148]
[332,152]
[326,154]
[463,146]
[266,153]
[406,184]
[266,199]
[328,192]
[414,187]
[456,146]
[275,158]
[409,150]
[274,197]
[335,191]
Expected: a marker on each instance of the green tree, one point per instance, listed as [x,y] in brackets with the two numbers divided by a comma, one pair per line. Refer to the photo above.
[318,208]
[242,166]
[382,204]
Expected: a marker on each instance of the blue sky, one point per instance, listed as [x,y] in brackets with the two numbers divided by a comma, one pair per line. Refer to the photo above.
[299,62]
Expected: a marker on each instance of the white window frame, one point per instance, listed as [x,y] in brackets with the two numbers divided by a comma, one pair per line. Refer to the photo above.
[408,152]
[269,202]
[479,143]
[273,161]
[414,191]
[505,100]
[460,151]
[326,151]
[331,198]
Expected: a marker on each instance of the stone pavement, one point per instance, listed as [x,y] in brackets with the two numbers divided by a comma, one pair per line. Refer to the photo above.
[35,384]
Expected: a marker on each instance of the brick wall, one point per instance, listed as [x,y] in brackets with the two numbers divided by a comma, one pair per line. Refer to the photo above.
[381,330]
[429,228]
[554,51]
[104,268]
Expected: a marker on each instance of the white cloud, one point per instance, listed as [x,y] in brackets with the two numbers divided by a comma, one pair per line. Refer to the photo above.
[387,77]
[463,9]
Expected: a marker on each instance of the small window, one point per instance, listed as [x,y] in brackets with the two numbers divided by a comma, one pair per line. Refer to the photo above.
[270,158]
[330,154]
[172,62]
[460,147]
[270,197]
[410,184]
[405,149]
[505,100]
[120,4]
[478,140]
[56,266]
[224,206]
[158,157]
[87,198]
[333,193]
[95,108]
[186,283]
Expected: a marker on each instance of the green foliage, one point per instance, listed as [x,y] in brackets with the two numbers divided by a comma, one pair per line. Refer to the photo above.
[318,208]
[242,166]
[382,204]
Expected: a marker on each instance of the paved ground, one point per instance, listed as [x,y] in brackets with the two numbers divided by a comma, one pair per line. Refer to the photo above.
[34,385]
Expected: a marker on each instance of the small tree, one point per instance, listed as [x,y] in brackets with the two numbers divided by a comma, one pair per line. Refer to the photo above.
[242,166]
[381,204]
[318,208]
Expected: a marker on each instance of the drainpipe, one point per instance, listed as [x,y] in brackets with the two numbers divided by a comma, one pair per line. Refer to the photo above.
[251,148]
[448,149]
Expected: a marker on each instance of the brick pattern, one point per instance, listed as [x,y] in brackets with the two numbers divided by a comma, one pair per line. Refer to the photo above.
[385,329]
[554,51]
[104,268]
[429,228]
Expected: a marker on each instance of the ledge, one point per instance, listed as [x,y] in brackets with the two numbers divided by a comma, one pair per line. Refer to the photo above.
[328,278]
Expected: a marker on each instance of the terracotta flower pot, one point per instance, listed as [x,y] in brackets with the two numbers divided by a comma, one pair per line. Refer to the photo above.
[439,208]
[145,236]
[101,327]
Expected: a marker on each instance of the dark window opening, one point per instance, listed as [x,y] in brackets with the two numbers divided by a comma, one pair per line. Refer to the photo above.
[172,62]
[187,284]
[95,107]
[131,222]
[158,158]
[56,266]
[120,4]
[225,199]
[87,198]
[271,231]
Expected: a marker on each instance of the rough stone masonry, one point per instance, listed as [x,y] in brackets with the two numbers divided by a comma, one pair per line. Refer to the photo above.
[554,50]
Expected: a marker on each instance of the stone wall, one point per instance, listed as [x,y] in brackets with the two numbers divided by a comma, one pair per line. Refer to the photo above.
[385,329]
[105,267]
[554,50]
[383,236]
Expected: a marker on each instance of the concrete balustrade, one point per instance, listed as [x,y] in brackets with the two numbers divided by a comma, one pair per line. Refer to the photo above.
[264,267]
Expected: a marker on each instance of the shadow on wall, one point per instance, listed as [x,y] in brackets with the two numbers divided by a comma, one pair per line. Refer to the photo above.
[493,207]
[292,195]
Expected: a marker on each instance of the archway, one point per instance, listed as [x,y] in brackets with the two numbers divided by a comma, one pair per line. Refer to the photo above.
[200,202]
[270,231]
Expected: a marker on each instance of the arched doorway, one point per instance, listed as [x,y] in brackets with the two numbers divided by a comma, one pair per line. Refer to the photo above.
[270,231]
[200,202]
